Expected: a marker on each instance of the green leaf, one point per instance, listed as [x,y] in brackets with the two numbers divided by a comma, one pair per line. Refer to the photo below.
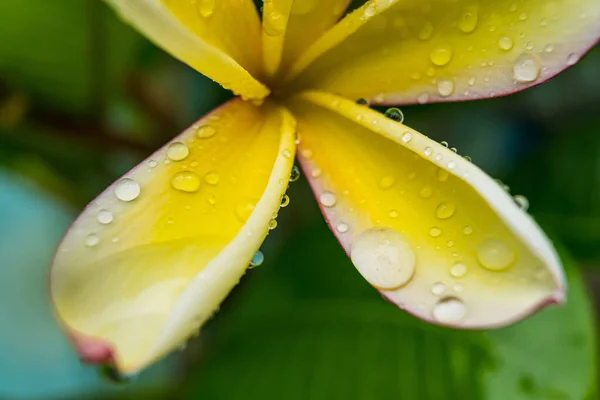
[306,326]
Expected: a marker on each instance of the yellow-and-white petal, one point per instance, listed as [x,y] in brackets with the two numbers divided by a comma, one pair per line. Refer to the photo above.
[220,39]
[397,52]
[150,260]
[431,231]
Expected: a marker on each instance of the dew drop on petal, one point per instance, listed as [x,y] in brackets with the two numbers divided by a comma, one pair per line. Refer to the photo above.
[495,255]
[272,224]
[449,310]
[177,151]
[445,210]
[206,7]
[257,259]
[327,199]
[383,257]
[206,131]
[428,151]
[104,217]
[387,182]
[212,178]
[426,192]
[295,175]
[467,230]
[435,232]
[468,21]
[92,240]
[458,270]
[185,181]
[285,200]
[445,86]
[274,23]
[127,189]
[395,114]
[407,137]
[342,227]
[522,202]
[438,289]
[572,59]
[505,43]
[526,68]
[244,209]
[441,56]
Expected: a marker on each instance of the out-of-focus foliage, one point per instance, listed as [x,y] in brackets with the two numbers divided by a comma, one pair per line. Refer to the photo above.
[83,98]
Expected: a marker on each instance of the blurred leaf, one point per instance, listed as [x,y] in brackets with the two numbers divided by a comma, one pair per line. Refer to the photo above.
[306,326]
[64,52]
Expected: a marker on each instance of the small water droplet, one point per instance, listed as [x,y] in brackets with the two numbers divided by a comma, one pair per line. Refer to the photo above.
[257,259]
[393,214]
[549,48]
[522,202]
[177,151]
[274,22]
[445,210]
[522,17]
[426,192]
[295,175]
[423,98]
[92,240]
[407,137]
[383,257]
[441,56]
[327,199]
[435,232]
[286,153]
[425,31]
[467,230]
[442,175]
[212,199]
[468,20]
[445,86]
[452,164]
[444,143]
[526,68]
[285,200]
[186,181]
[449,310]
[438,289]
[395,114]
[505,43]
[212,178]
[206,7]
[572,59]
[342,227]
[152,163]
[104,217]
[458,270]
[272,224]
[362,102]
[495,255]
[127,189]
[428,151]
[387,182]
[206,131]
[315,173]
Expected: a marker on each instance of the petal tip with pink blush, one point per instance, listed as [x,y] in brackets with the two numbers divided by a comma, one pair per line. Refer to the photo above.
[92,350]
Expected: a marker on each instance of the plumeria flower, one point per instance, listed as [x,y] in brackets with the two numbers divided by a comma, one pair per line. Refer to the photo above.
[149,260]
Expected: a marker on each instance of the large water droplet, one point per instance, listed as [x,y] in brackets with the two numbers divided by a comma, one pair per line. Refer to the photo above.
[206,7]
[383,257]
[458,270]
[327,199]
[186,181]
[127,189]
[495,255]
[177,151]
[449,310]
[257,259]
[441,56]
[445,86]
[104,217]
[526,68]
[445,210]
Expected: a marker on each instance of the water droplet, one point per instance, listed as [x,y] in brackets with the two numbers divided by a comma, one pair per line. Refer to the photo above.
[327,199]
[92,240]
[370,10]
[257,259]
[458,270]
[186,181]
[428,151]
[441,56]
[467,230]
[505,43]
[244,209]
[572,59]
[212,178]
[152,163]
[445,210]
[206,7]
[522,202]
[383,257]
[513,7]
[342,227]
[206,131]
[549,48]
[272,224]
[407,137]
[426,31]
[362,102]
[212,199]
[104,217]
[423,98]
[387,182]
[393,214]
[286,153]
[295,175]
[495,255]
[444,143]
[438,289]
[449,310]
[522,17]
[395,114]
[285,200]
[127,189]
[452,164]
[468,21]
[274,22]
[445,86]
[177,151]
[435,232]
[315,173]
[442,175]
[526,68]
[426,192]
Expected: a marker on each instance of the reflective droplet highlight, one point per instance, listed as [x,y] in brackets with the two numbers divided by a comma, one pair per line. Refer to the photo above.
[495,255]
[445,86]
[185,181]
[522,202]
[105,217]
[438,289]
[127,189]
[327,199]
[257,259]
[383,257]
[505,43]
[435,232]
[441,56]
[526,68]
[295,175]
[395,114]
[458,270]
[177,151]
[285,200]
[342,227]
[449,310]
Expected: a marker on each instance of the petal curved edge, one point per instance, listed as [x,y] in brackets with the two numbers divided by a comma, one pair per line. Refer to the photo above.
[221,42]
[427,228]
[173,236]
[436,51]
[276,15]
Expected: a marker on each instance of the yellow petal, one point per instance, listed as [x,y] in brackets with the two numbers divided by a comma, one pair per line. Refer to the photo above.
[441,50]
[220,39]
[276,14]
[431,231]
[149,261]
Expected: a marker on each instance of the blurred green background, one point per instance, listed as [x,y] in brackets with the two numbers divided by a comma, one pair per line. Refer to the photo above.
[83,98]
